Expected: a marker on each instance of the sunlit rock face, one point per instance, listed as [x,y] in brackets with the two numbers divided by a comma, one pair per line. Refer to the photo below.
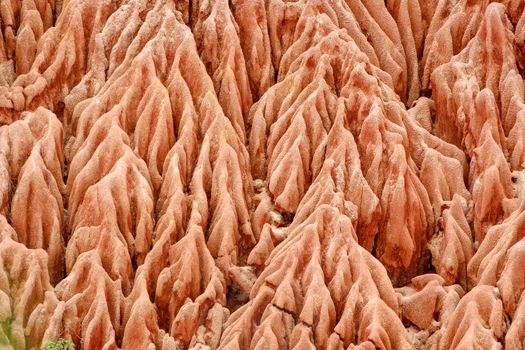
[262,174]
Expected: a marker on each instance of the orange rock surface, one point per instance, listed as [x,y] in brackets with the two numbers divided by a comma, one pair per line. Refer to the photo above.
[262,174]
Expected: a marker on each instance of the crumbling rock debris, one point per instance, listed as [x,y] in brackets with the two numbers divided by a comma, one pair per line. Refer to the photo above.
[262,174]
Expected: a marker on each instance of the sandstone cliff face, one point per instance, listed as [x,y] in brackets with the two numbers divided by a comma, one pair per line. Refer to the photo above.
[262,174]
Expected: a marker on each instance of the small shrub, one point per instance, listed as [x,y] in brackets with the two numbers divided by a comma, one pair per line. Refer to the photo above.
[60,344]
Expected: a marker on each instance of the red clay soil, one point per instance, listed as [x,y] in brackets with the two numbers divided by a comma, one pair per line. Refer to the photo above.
[262,174]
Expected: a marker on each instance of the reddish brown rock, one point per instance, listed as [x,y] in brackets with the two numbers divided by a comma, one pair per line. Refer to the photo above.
[426,306]
[477,322]
[24,282]
[475,110]
[34,147]
[261,174]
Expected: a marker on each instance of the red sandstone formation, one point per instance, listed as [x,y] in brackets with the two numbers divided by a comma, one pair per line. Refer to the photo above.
[262,174]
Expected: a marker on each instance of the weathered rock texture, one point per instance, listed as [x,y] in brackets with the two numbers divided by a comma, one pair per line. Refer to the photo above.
[262,174]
